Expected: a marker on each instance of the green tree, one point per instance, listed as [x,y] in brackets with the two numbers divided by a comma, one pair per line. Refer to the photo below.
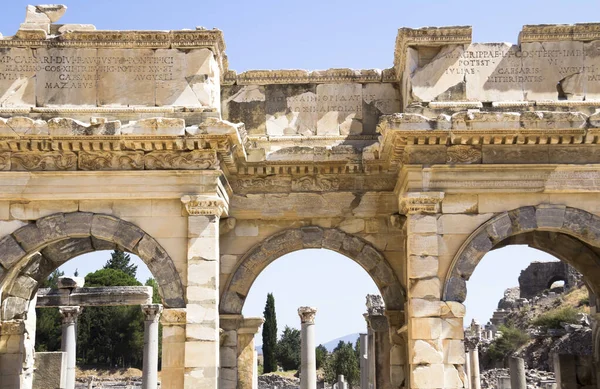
[288,349]
[344,361]
[111,336]
[511,340]
[48,328]
[269,335]
[320,355]
[119,260]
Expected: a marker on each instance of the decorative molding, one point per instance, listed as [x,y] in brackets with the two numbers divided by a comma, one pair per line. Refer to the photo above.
[201,205]
[111,160]
[173,317]
[463,154]
[297,76]
[192,160]
[421,202]
[44,161]
[307,315]
[560,32]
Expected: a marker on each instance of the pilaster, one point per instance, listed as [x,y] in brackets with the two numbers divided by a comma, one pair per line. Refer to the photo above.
[173,348]
[246,360]
[202,318]
[435,330]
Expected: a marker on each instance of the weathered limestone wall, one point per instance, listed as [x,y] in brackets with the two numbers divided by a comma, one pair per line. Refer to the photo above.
[549,63]
[296,102]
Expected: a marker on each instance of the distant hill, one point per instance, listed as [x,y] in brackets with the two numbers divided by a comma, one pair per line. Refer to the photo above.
[348,338]
[329,345]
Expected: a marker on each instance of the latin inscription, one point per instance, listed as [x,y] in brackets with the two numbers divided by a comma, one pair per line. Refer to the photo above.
[82,72]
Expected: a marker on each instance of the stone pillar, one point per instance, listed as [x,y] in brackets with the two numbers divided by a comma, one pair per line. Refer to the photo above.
[12,353]
[173,348]
[517,373]
[246,360]
[364,360]
[467,369]
[228,377]
[69,340]
[308,366]
[475,377]
[150,361]
[379,344]
[435,328]
[202,328]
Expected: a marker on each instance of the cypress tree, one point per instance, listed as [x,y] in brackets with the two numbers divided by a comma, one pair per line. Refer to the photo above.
[269,335]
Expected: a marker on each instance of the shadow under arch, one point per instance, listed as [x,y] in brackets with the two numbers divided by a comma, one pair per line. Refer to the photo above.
[32,252]
[570,234]
[287,241]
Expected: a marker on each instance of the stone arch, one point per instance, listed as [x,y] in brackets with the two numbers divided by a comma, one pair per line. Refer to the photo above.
[32,252]
[287,241]
[570,234]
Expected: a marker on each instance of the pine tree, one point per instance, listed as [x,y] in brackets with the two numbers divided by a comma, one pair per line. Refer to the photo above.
[269,335]
[119,260]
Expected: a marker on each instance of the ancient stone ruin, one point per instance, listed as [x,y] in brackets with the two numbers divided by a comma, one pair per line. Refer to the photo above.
[148,142]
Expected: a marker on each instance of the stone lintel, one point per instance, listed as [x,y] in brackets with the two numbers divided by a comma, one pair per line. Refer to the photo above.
[585,32]
[95,297]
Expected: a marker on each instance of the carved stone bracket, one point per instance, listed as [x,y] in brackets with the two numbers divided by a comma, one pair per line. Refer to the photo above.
[307,314]
[421,202]
[200,205]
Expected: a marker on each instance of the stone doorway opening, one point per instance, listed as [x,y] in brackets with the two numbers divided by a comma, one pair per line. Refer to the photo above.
[335,242]
[567,234]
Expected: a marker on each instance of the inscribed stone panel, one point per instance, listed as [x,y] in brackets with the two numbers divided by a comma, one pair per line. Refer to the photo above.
[66,77]
[291,109]
[17,82]
[339,109]
[245,104]
[494,72]
[558,70]
[128,76]
[378,99]
[592,70]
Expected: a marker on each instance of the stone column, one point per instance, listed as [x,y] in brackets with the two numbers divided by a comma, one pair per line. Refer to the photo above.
[173,348]
[150,361]
[364,360]
[475,377]
[202,328]
[379,344]
[517,373]
[69,341]
[246,360]
[467,369]
[308,366]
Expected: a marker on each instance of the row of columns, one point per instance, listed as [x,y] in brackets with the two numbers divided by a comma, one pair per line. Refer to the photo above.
[151,312]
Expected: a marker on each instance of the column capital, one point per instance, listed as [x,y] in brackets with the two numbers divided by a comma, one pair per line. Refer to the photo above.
[202,205]
[70,314]
[471,343]
[421,202]
[151,311]
[307,314]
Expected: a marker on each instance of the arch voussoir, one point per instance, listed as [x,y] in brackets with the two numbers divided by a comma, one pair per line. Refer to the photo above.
[310,237]
[11,252]
[78,224]
[557,229]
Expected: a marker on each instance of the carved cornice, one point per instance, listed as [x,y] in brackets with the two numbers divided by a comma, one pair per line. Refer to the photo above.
[297,76]
[201,205]
[560,32]
[184,39]
[428,36]
[307,315]
[421,202]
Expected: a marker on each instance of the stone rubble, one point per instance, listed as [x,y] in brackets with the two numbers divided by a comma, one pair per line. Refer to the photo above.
[536,379]
[274,381]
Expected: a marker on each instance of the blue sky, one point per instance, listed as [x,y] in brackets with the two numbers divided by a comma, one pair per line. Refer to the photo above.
[318,35]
